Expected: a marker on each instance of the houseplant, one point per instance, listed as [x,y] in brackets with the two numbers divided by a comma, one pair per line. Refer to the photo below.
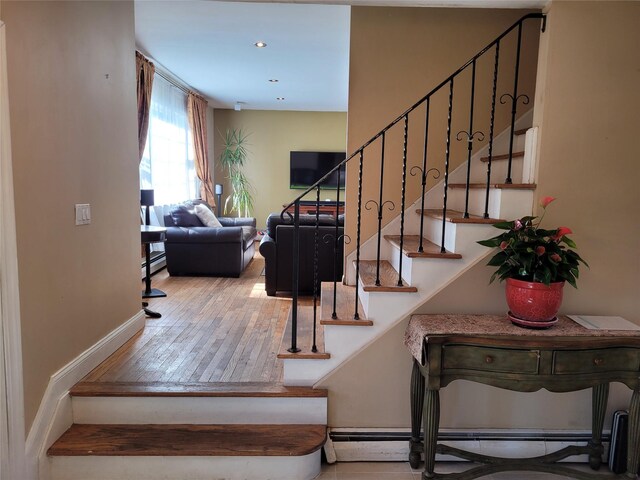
[535,263]
[232,159]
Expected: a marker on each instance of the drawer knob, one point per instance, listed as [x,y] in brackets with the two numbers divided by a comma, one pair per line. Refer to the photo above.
[598,361]
[489,359]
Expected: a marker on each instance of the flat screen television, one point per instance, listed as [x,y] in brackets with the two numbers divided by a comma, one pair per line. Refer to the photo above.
[309,167]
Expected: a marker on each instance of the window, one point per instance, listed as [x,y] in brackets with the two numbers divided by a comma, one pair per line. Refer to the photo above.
[167,164]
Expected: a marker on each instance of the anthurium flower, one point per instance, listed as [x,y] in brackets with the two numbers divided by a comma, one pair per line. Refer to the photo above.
[517,225]
[504,245]
[540,250]
[555,257]
[546,201]
[561,232]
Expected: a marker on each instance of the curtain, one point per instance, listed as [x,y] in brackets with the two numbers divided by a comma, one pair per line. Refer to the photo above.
[197,110]
[167,164]
[144,73]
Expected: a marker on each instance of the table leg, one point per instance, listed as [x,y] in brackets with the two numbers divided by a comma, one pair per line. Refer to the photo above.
[431,424]
[633,458]
[600,396]
[417,402]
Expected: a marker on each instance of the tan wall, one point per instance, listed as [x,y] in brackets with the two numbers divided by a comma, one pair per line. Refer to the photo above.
[586,109]
[74,141]
[398,55]
[273,134]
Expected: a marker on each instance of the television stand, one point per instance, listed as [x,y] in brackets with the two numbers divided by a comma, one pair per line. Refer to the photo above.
[327,207]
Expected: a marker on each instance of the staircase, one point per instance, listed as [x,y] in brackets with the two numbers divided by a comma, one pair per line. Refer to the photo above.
[431,242]
[191,431]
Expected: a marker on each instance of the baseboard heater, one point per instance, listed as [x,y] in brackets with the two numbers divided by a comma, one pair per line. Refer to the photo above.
[158,262]
[349,445]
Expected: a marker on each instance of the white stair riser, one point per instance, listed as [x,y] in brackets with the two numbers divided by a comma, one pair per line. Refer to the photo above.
[477,199]
[304,467]
[498,171]
[199,410]
[433,233]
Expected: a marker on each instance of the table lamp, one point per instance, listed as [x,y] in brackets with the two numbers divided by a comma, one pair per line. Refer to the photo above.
[219,194]
[146,200]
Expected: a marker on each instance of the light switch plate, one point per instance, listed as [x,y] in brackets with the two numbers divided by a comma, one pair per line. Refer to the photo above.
[83,214]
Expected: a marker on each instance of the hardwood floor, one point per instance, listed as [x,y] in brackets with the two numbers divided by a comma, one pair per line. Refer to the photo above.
[212,330]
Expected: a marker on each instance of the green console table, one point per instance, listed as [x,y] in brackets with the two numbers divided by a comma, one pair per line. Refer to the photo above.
[490,350]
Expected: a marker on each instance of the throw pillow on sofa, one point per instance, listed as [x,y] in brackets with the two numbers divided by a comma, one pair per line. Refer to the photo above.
[206,216]
[183,217]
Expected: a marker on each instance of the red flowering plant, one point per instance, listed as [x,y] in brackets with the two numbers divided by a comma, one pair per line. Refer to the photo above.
[530,253]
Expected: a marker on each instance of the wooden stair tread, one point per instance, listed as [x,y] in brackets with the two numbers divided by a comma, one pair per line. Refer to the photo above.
[503,186]
[502,157]
[388,278]
[411,244]
[195,389]
[345,301]
[522,131]
[305,336]
[455,216]
[189,440]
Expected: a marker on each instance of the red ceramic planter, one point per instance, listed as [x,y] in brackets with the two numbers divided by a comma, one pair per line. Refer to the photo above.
[532,301]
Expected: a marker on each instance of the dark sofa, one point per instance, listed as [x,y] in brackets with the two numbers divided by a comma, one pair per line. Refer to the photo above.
[193,249]
[277,249]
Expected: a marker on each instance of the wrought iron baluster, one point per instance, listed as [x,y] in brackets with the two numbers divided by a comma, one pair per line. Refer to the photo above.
[316,283]
[404,187]
[491,126]
[296,265]
[356,315]
[334,314]
[424,171]
[470,138]
[514,102]
[380,211]
[446,167]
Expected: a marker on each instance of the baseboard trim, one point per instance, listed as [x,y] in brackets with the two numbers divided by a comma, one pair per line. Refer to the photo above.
[54,415]
[384,445]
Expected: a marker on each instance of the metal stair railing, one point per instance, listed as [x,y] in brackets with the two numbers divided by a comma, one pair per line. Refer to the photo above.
[515,96]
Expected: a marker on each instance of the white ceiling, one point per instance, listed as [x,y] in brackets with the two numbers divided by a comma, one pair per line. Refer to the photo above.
[209,45]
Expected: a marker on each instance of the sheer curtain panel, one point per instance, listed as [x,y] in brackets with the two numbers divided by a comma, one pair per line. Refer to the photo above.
[167,163]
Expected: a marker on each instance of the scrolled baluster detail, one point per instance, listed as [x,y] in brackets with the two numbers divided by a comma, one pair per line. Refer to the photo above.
[379,208]
[491,126]
[470,138]
[446,168]
[316,283]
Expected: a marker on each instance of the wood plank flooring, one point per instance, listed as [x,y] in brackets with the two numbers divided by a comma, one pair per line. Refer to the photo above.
[212,330]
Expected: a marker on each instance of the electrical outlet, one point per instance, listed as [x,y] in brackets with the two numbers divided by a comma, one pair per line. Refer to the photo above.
[83,214]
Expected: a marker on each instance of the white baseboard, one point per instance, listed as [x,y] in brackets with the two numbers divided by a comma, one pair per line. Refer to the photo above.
[54,415]
[382,447]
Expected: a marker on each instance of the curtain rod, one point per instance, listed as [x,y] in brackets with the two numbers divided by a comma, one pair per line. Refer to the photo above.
[172,81]
[164,72]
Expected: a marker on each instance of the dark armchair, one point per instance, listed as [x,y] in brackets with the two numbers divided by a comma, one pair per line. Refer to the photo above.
[193,249]
[277,249]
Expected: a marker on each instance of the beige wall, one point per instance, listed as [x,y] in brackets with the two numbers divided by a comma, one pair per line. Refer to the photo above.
[73,123]
[273,134]
[397,56]
[586,108]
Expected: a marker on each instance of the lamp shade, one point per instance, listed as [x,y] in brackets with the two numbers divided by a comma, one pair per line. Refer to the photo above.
[218,189]
[146,198]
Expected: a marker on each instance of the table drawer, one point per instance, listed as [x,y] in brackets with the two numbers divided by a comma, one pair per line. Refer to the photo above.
[490,359]
[596,360]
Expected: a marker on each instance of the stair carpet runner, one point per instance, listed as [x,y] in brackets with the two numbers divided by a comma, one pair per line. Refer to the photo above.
[226,423]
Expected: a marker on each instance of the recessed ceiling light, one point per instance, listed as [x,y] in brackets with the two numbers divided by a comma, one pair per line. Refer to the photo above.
[279,98]
[273,80]
[260,44]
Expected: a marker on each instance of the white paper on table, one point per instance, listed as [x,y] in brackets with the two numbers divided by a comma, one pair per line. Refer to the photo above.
[597,322]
